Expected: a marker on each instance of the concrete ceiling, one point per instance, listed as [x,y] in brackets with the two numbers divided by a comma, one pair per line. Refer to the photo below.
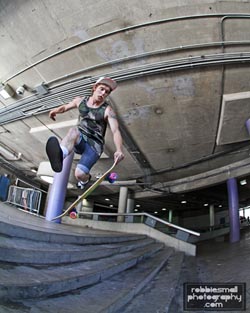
[183,98]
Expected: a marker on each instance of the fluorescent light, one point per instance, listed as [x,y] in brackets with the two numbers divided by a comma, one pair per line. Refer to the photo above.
[54,126]
[50,179]
[10,155]
[243,182]
[7,92]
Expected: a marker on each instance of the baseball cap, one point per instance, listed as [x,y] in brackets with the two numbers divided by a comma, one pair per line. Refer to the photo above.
[107,81]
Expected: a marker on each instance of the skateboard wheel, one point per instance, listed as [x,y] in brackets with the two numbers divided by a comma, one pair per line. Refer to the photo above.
[112,177]
[73,215]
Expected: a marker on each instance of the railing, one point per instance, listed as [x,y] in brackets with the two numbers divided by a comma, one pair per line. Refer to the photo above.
[27,198]
[148,219]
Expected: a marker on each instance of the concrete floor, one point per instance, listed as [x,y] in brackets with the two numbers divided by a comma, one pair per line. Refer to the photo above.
[221,261]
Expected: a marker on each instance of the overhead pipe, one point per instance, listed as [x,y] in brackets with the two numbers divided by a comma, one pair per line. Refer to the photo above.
[126,29]
[120,73]
[143,55]
[5,118]
[146,70]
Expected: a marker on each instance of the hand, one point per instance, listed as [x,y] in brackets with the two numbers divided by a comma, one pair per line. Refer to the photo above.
[52,115]
[54,112]
[118,156]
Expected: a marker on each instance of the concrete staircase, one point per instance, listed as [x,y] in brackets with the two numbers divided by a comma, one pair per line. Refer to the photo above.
[48,267]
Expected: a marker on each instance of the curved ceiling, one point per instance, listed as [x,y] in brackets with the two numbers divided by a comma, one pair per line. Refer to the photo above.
[183,95]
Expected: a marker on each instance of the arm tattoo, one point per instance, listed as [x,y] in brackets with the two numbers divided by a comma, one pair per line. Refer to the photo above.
[112,114]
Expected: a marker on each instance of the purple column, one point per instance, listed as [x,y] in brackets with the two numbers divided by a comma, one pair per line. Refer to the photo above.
[233,203]
[247,123]
[58,190]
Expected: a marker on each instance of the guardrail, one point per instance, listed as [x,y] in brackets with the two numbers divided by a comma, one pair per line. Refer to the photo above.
[27,198]
[148,219]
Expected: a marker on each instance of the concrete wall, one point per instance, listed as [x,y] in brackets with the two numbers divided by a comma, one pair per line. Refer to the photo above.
[202,221]
[179,245]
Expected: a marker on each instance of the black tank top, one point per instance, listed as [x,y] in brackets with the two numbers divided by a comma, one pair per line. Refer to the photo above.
[92,124]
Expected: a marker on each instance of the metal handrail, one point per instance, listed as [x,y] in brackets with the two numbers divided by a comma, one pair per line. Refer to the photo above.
[191,232]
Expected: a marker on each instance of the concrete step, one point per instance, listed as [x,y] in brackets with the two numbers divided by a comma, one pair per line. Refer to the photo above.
[189,273]
[48,267]
[22,251]
[110,295]
[63,233]
[20,282]
[20,224]
[158,294]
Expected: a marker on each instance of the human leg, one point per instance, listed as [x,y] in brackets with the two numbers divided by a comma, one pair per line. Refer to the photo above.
[88,159]
[57,152]
[70,140]
[82,178]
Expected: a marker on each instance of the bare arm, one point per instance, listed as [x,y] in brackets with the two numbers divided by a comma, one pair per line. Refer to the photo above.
[114,126]
[65,107]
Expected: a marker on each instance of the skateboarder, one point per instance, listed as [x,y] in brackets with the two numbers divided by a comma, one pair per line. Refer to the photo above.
[87,138]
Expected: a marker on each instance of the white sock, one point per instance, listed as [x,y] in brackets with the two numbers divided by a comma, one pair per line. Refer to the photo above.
[65,151]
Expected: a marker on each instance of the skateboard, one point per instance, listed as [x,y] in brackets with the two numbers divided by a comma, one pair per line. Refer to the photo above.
[89,191]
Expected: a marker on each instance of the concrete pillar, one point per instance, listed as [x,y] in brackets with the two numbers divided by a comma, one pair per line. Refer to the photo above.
[233,203]
[130,208]
[122,203]
[47,201]
[86,206]
[130,204]
[170,216]
[211,216]
[247,123]
[58,190]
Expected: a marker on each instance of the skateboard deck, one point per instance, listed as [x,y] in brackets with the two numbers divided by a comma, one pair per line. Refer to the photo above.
[87,192]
